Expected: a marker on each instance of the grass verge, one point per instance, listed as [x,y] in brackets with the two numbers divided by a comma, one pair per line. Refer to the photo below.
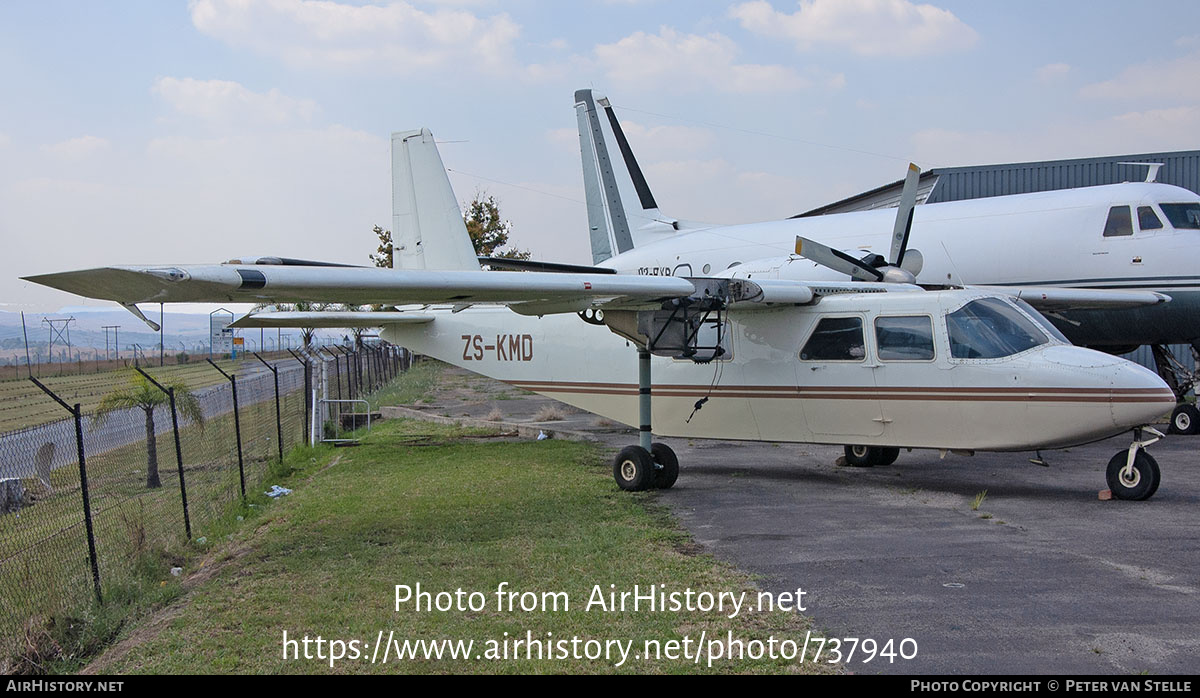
[429,504]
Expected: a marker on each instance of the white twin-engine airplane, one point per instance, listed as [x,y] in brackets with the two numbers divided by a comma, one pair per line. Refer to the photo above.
[772,349]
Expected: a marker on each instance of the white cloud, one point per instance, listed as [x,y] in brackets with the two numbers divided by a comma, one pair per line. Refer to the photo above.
[1133,132]
[672,61]
[655,142]
[3,140]
[1166,80]
[395,37]
[1052,72]
[80,147]
[222,101]
[713,190]
[866,27]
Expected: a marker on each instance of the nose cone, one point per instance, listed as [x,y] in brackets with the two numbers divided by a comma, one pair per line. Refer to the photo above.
[1101,395]
[1139,397]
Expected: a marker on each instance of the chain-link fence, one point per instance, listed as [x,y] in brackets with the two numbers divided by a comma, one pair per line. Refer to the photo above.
[152,477]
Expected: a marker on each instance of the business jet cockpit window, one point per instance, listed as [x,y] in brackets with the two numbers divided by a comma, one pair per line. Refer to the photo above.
[1148,219]
[1185,216]
[989,328]
[904,338]
[1118,223]
[835,339]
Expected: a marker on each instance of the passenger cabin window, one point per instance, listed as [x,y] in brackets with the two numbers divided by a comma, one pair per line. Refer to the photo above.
[836,339]
[1119,222]
[907,338]
[1148,219]
[1185,216]
[989,328]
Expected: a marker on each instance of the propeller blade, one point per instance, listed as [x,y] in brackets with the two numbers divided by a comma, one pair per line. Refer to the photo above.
[836,260]
[904,214]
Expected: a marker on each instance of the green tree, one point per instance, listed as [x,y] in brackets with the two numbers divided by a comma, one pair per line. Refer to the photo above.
[140,393]
[383,254]
[488,229]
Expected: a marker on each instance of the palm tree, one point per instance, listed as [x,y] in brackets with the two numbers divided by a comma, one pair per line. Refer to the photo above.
[140,393]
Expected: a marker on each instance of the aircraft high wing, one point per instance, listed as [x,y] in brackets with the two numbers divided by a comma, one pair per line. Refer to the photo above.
[753,351]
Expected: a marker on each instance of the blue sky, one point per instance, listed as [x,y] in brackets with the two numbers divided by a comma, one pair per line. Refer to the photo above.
[147,132]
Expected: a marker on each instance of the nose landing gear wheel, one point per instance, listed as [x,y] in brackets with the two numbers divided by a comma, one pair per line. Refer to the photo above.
[1136,483]
[633,469]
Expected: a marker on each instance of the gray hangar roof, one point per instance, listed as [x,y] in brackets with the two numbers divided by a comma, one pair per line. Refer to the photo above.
[1181,168]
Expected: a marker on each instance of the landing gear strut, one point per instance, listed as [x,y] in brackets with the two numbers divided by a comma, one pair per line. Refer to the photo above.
[1133,473]
[647,465]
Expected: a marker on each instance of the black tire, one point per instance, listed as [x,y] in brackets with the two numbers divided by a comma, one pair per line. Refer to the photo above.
[633,469]
[1185,420]
[1141,485]
[862,456]
[666,475]
[888,455]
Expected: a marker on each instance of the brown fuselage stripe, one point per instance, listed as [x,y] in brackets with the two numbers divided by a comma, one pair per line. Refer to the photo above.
[1100,395]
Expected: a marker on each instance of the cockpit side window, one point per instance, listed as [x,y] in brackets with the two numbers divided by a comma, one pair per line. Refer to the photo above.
[1184,216]
[907,338]
[1041,320]
[1119,222]
[1148,219]
[836,339]
[989,328]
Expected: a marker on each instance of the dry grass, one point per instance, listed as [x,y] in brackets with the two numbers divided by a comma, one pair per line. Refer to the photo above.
[548,413]
[495,415]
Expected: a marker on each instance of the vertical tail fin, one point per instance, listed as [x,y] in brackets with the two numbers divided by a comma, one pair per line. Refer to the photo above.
[622,212]
[427,224]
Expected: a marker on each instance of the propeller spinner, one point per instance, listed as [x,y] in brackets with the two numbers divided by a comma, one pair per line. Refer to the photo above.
[906,263]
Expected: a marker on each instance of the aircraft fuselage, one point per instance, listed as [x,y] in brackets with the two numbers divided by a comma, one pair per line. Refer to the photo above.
[1052,238]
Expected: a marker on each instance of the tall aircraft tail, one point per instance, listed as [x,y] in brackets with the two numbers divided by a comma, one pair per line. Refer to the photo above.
[427,224]
[622,212]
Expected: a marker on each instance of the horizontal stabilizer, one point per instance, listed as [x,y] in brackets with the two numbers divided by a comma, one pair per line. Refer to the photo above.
[533,265]
[1051,298]
[330,319]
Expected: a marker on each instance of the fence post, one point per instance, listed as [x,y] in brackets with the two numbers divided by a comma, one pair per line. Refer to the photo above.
[278,414]
[237,425]
[307,393]
[83,485]
[187,521]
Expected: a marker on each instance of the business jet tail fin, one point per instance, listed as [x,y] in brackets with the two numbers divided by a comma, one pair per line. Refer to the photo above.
[622,212]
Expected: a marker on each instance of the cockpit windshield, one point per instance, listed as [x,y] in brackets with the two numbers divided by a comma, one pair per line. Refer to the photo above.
[989,328]
[1185,216]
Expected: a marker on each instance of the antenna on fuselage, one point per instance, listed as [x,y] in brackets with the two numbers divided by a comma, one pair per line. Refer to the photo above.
[1151,173]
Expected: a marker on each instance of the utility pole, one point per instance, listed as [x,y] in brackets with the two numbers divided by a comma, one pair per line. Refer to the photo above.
[63,332]
[116,341]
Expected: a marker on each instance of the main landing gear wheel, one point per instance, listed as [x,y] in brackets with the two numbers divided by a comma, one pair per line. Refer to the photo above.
[865,456]
[1185,420]
[634,470]
[1138,482]
[667,471]
[888,455]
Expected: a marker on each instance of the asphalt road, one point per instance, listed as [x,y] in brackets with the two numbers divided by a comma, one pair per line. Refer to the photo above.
[1042,578]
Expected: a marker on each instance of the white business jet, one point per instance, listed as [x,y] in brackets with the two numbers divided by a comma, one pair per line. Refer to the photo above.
[735,355]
